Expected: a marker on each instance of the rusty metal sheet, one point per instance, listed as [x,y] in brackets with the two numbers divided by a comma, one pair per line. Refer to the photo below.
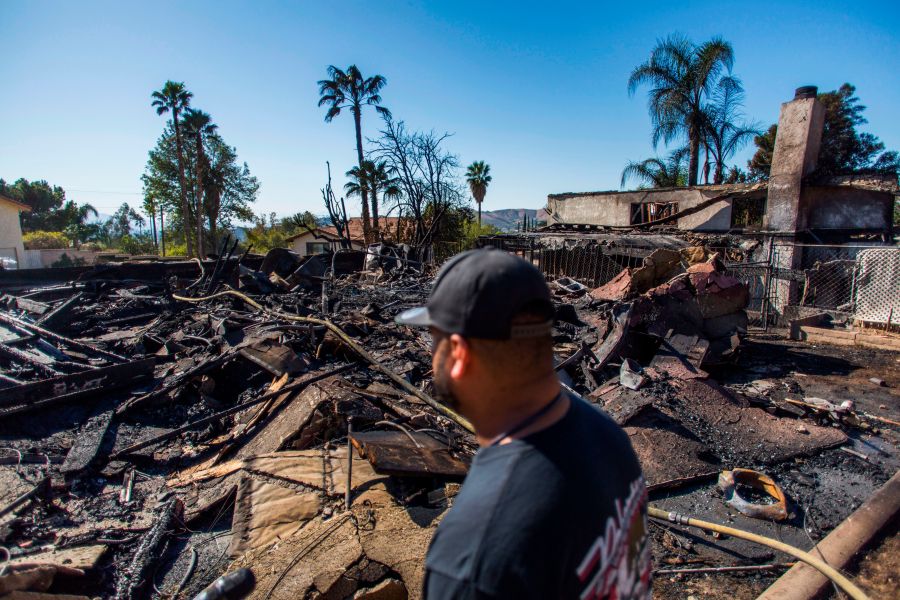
[670,455]
[681,356]
[745,435]
[394,453]
[275,358]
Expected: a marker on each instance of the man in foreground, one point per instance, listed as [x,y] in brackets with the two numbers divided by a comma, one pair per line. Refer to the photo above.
[554,505]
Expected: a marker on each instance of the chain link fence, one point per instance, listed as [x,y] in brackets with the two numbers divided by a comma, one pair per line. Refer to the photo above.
[592,264]
[858,282]
[855,282]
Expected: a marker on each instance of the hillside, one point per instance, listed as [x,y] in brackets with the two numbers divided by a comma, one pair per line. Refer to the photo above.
[509,219]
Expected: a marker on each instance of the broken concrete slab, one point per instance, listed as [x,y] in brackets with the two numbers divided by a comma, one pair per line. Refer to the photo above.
[399,540]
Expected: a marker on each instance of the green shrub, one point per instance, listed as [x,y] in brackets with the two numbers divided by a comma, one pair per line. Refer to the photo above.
[45,240]
[131,244]
[176,249]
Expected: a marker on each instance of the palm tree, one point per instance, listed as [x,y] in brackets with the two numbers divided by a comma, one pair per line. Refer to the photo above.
[197,125]
[349,89]
[478,176]
[682,76]
[375,178]
[726,133]
[656,172]
[382,178]
[174,98]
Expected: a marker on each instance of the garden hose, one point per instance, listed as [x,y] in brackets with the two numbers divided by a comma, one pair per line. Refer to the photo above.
[842,582]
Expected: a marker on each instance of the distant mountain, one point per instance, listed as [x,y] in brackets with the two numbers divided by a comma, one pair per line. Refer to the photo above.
[510,219]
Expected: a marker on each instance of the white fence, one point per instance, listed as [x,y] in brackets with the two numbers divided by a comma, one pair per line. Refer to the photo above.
[40,259]
[877,286]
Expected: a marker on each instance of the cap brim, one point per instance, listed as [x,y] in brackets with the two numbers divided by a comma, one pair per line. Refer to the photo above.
[414,317]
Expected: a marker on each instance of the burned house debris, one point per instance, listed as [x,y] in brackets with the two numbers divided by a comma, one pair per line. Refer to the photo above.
[265,420]
[262,423]
[801,240]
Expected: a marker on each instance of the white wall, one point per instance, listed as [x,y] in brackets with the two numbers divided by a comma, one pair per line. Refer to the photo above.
[10,232]
[40,259]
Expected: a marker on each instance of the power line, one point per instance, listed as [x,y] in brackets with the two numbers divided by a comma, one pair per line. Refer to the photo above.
[102,192]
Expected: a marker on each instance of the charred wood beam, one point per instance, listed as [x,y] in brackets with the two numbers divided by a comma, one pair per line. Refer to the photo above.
[10,380]
[133,577]
[350,343]
[172,383]
[51,317]
[40,488]
[47,334]
[27,359]
[64,388]
[297,385]
[32,306]
[123,320]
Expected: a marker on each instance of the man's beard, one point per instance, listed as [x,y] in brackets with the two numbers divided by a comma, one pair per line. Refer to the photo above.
[443,391]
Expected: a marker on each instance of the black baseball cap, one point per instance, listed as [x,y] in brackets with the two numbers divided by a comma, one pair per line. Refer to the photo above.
[478,293]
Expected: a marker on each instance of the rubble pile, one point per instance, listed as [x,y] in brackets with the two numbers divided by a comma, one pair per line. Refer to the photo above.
[163,428]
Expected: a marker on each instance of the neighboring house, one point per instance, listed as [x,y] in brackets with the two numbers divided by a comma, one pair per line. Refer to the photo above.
[325,239]
[387,226]
[794,200]
[316,241]
[11,247]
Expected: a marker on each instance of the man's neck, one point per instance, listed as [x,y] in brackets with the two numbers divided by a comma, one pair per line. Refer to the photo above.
[506,408]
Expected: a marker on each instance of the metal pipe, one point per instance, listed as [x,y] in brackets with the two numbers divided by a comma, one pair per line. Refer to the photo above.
[348,498]
[840,546]
[845,584]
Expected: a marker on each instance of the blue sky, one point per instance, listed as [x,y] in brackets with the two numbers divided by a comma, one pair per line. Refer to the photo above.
[537,90]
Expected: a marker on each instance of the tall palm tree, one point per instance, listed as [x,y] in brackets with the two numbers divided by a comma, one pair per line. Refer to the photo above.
[681,76]
[726,133]
[349,89]
[478,176]
[374,177]
[656,172]
[174,98]
[197,125]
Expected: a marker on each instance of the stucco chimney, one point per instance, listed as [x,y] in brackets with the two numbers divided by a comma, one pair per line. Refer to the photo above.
[796,151]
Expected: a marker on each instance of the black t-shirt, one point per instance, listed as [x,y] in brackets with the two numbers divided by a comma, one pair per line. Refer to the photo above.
[560,513]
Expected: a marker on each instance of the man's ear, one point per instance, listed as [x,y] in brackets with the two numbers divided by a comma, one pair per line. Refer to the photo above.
[460,355]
